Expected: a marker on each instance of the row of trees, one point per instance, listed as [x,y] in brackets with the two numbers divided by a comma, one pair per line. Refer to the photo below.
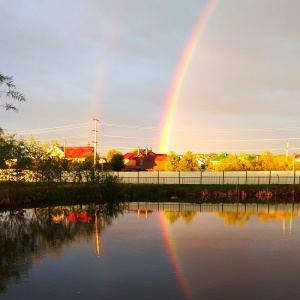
[264,162]
[188,162]
[20,159]
[29,160]
[243,162]
[20,155]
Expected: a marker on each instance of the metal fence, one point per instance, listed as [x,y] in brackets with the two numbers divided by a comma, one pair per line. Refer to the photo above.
[205,178]
[216,178]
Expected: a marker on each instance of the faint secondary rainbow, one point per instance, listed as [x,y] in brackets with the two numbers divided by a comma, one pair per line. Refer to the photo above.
[172,251]
[186,58]
[107,46]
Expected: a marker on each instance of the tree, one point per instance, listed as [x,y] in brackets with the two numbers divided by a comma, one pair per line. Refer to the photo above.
[111,153]
[172,162]
[36,148]
[117,163]
[9,90]
[232,162]
[189,162]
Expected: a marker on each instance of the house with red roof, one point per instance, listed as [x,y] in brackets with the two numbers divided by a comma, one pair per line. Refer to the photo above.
[144,159]
[78,153]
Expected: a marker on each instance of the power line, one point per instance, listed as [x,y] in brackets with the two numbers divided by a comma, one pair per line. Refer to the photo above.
[267,129]
[49,129]
[74,137]
[126,137]
[128,126]
[74,126]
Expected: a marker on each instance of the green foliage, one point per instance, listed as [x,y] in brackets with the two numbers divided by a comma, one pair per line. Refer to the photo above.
[117,162]
[231,163]
[110,154]
[265,162]
[36,149]
[9,90]
[172,162]
[110,185]
[189,163]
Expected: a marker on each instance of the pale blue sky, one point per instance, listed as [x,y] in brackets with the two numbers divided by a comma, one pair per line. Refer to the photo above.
[114,60]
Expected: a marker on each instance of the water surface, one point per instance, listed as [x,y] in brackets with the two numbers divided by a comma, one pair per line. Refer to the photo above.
[151,251]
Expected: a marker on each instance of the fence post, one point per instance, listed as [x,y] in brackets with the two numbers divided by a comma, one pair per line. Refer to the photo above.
[270,177]
[138,173]
[294,177]
[179,177]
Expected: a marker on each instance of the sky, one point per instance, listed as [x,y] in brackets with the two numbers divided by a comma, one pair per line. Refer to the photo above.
[116,61]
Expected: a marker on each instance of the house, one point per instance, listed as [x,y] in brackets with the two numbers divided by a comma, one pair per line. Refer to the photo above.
[71,153]
[296,157]
[144,159]
[217,158]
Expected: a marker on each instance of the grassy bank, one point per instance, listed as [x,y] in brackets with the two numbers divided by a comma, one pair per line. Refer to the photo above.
[18,193]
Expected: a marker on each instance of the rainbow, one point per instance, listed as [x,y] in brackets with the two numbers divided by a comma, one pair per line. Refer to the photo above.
[186,58]
[174,257]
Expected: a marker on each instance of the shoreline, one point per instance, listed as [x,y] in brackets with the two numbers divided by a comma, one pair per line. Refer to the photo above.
[20,194]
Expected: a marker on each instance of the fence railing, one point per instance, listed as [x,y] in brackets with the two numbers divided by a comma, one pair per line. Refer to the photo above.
[216,178]
[205,178]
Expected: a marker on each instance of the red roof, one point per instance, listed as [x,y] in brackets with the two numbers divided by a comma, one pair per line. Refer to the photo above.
[128,155]
[137,153]
[77,152]
[161,157]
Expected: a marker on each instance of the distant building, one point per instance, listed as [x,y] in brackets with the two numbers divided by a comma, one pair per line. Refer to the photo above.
[71,153]
[144,159]
[217,158]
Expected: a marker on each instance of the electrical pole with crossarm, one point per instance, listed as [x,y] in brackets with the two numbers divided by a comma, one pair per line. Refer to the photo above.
[95,139]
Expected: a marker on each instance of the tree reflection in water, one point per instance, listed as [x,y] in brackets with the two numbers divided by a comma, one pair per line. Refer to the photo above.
[26,236]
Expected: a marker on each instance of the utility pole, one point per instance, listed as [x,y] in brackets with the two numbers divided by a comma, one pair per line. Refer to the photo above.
[95,139]
[287,149]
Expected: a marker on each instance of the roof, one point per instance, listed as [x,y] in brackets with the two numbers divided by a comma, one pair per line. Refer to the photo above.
[161,157]
[138,153]
[77,152]
[128,155]
[219,157]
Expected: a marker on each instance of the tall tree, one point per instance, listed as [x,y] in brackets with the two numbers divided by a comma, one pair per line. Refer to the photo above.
[110,153]
[189,162]
[8,88]
[172,162]
[117,163]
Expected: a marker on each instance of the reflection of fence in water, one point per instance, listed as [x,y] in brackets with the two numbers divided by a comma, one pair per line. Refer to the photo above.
[293,208]
[235,213]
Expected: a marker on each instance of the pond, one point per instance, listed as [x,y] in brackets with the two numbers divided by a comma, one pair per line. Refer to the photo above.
[151,251]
